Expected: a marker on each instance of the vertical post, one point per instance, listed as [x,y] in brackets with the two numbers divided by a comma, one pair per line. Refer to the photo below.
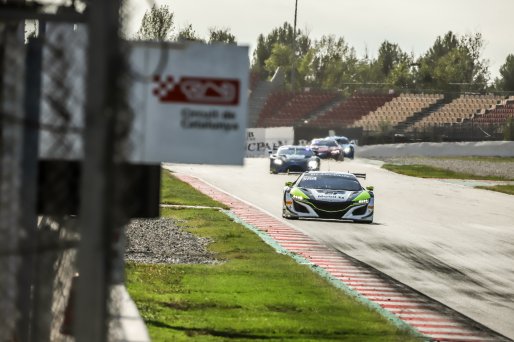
[293,69]
[12,68]
[29,188]
[96,211]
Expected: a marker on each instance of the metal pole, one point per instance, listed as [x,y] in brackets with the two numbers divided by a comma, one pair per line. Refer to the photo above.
[293,70]
[97,197]
[29,188]
[15,313]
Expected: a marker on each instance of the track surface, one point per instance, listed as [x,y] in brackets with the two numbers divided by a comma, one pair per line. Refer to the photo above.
[450,242]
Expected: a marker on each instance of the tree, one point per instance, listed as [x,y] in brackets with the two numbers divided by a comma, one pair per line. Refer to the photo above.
[506,82]
[188,33]
[217,35]
[390,56]
[334,63]
[157,24]
[281,56]
[284,36]
[454,63]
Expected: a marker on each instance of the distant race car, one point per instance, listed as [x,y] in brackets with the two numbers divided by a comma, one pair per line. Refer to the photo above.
[347,145]
[292,158]
[328,195]
[327,148]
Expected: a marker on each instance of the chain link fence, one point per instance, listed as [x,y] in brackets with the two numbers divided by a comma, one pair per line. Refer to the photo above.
[65,180]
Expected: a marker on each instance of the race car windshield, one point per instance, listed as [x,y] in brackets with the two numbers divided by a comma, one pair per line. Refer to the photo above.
[295,152]
[330,183]
[325,143]
[343,141]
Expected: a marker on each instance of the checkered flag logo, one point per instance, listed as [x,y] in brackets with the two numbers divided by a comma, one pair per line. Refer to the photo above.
[163,86]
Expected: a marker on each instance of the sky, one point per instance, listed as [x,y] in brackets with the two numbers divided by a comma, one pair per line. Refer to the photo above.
[365,24]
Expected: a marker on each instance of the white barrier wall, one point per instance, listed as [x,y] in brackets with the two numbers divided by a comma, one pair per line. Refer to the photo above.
[447,149]
[260,140]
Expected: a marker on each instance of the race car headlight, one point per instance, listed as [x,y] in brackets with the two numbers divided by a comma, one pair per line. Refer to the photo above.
[312,164]
[298,198]
[347,150]
[363,201]
[278,162]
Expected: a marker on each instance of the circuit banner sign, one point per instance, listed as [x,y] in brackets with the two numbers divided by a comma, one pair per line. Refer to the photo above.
[190,102]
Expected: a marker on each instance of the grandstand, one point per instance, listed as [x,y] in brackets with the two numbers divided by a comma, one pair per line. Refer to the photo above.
[346,112]
[462,108]
[284,108]
[497,114]
[386,117]
[397,110]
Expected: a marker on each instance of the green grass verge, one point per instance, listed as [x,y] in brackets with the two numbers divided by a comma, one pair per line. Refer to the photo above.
[425,171]
[174,191]
[506,189]
[255,294]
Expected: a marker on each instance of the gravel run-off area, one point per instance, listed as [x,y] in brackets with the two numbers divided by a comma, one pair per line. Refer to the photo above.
[162,241]
[476,167]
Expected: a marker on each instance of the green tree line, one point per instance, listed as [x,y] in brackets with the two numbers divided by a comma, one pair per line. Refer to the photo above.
[453,63]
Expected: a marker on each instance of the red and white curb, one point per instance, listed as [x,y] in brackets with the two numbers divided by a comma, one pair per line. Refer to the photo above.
[431,318]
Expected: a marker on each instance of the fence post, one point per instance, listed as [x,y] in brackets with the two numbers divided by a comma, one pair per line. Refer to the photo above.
[27,286]
[12,52]
[96,211]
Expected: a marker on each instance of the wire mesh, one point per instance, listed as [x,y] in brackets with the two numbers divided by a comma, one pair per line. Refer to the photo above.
[39,261]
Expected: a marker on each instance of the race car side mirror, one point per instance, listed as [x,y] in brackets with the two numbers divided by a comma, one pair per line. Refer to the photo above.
[289,184]
[370,188]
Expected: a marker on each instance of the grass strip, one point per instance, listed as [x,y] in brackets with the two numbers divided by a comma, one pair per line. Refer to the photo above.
[425,171]
[174,191]
[255,294]
[506,189]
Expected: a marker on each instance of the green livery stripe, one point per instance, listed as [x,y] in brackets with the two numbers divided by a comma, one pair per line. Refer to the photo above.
[363,196]
[299,193]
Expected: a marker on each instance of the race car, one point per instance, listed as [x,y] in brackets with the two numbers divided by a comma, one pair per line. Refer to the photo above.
[347,145]
[328,195]
[292,158]
[327,148]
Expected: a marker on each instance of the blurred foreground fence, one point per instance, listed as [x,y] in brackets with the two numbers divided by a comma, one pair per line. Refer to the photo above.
[65,183]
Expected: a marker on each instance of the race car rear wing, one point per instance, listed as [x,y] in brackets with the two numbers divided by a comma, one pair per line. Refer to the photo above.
[359,175]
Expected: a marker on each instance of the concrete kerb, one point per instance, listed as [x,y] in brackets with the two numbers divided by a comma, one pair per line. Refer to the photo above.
[326,275]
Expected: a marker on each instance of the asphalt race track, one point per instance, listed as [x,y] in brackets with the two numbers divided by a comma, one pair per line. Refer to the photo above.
[450,242]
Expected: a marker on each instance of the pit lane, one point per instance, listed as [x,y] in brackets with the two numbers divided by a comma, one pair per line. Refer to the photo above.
[450,242]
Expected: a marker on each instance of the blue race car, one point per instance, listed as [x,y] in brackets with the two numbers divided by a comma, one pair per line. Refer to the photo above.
[292,158]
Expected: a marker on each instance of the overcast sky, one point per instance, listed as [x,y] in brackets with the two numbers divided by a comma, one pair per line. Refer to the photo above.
[413,24]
